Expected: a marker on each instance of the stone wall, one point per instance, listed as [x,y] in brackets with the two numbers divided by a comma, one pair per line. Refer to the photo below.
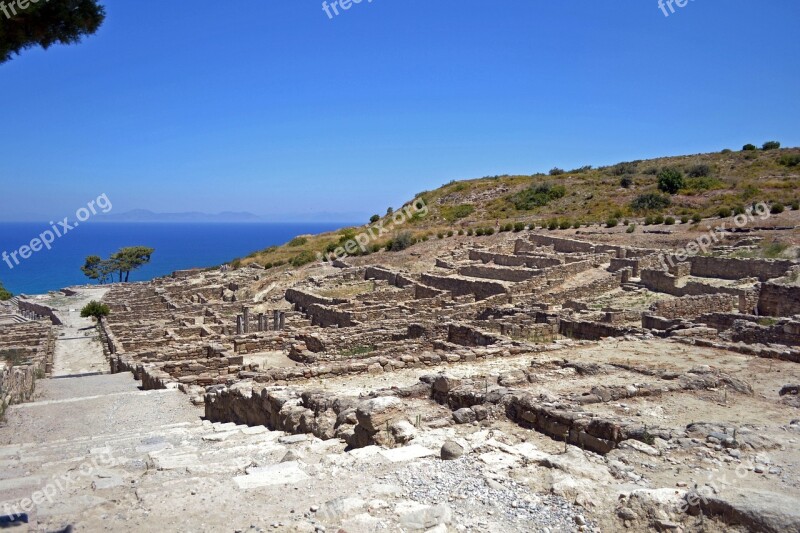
[590,290]
[497,273]
[578,428]
[581,329]
[469,336]
[460,286]
[660,281]
[693,306]
[732,268]
[779,300]
[324,316]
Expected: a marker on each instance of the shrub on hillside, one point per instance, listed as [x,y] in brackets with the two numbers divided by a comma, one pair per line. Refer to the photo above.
[795,205]
[650,201]
[669,221]
[697,218]
[303,258]
[565,224]
[519,226]
[555,171]
[401,241]
[776,208]
[685,219]
[631,228]
[670,180]
[612,222]
[538,196]
[374,218]
[626,182]
[658,219]
[453,213]
[771,145]
[724,212]
[648,220]
[726,151]
[625,168]
[749,147]
[699,171]
[790,160]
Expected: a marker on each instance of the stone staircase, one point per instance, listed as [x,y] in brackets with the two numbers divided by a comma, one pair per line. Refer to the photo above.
[142,472]
[95,452]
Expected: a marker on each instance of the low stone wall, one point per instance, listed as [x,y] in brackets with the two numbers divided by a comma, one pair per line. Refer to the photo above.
[530,261]
[17,384]
[460,286]
[660,281]
[581,329]
[779,300]
[578,428]
[694,306]
[590,290]
[326,317]
[498,273]
[302,299]
[733,268]
[470,336]
[259,342]
[377,272]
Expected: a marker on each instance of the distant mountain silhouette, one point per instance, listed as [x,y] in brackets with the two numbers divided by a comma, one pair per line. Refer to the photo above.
[144,215]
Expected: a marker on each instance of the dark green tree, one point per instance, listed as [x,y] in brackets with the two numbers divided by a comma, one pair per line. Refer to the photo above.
[131,258]
[121,263]
[45,23]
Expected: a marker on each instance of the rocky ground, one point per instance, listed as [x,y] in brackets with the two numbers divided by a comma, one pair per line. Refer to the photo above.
[445,412]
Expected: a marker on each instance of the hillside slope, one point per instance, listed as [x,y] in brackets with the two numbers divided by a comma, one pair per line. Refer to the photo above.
[709,185]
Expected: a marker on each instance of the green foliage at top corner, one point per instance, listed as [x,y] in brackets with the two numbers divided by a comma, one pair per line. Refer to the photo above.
[4,293]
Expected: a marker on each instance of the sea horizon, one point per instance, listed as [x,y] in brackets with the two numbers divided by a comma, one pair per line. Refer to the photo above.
[178,246]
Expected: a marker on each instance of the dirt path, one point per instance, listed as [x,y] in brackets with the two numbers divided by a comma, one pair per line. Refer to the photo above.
[78,349]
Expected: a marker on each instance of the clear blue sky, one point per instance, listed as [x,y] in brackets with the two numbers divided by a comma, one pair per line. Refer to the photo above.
[271,107]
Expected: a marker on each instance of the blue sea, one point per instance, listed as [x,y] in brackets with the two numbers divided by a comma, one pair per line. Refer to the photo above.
[177,246]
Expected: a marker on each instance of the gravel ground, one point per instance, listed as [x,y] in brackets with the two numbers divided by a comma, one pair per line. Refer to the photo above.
[480,503]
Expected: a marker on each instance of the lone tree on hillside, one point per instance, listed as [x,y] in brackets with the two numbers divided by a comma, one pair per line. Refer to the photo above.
[95,309]
[4,294]
[45,23]
[121,263]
